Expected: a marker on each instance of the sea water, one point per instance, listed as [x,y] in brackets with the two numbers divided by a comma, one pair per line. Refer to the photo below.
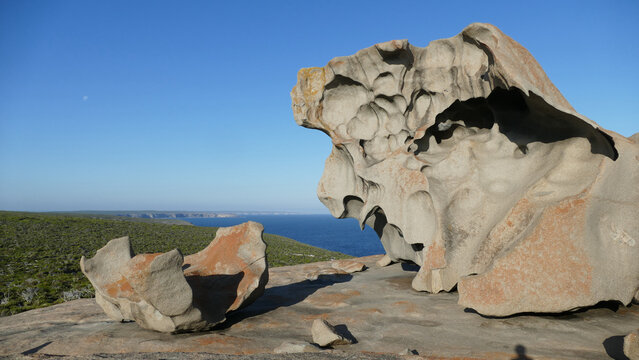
[324,231]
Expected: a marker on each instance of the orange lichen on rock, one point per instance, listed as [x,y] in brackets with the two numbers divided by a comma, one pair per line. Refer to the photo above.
[313,79]
[169,293]
[141,262]
[435,257]
[408,307]
[120,288]
[211,260]
[542,272]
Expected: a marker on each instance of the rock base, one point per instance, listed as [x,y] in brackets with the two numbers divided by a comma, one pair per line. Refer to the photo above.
[377,305]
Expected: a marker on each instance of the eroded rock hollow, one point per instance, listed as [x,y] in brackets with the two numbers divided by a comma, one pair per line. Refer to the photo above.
[170,293]
[465,159]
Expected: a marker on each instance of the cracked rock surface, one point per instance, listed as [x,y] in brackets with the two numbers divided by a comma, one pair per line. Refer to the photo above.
[467,160]
[172,293]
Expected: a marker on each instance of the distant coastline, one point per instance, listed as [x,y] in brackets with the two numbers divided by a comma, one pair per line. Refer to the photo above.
[154,214]
[175,215]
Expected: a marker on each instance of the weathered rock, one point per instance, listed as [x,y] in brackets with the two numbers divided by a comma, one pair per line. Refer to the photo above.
[466,160]
[314,275]
[384,261]
[408,351]
[348,266]
[338,267]
[324,334]
[171,293]
[631,345]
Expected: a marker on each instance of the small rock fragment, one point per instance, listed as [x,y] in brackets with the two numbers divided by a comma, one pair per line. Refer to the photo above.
[384,261]
[631,345]
[316,274]
[312,276]
[324,334]
[408,351]
[292,347]
[348,266]
[338,267]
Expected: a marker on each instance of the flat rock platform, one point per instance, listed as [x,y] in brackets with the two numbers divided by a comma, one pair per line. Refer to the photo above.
[378,308]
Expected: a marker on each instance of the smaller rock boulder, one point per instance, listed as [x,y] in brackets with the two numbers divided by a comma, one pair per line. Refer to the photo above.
[168,292]
[325,334]
[348,266]
[384,261]
[631,345]
[338,267]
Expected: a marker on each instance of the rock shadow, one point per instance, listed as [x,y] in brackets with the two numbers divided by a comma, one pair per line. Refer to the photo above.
[611,305]
[410,266]
[523,118]
[614,347]
[343,331]
[520,351]
[40,347]
[282,296]
[214,294]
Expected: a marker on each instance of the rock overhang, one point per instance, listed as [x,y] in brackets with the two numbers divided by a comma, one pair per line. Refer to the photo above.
[439,148]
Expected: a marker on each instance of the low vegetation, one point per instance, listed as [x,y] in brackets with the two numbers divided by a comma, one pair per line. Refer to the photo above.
[40,253]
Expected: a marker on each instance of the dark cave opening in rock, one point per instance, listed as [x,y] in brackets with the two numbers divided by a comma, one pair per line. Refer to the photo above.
[522,118]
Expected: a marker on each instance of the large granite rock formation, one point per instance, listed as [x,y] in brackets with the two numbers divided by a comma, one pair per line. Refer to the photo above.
[466,160]
[171,293]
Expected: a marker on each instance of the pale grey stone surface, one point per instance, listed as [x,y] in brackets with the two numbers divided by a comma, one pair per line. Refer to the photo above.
[294,347]
[324,355]
[378,306]
[466,160]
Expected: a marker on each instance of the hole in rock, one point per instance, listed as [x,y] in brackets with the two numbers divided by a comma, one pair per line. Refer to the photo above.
[398,57]
[385,97]
[377,220]
[341,80]
[522,118]
[523,149]
[352,206]
[417,247]
[409,266]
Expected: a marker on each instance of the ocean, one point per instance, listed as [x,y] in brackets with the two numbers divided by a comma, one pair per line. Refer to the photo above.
[324,231]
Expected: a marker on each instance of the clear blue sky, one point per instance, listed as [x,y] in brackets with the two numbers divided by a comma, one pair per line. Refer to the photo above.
[184,105]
